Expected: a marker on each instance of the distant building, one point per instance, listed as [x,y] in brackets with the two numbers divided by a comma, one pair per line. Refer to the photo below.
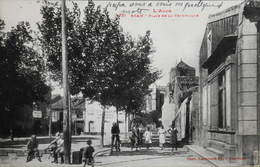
[78,111]
[93,120]
[182,81]
[230,84]
[86,116]
[155,99]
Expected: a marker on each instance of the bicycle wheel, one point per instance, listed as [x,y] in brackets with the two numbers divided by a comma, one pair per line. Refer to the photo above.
[116,145]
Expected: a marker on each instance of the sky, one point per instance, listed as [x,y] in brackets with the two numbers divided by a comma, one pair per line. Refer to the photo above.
[174,38]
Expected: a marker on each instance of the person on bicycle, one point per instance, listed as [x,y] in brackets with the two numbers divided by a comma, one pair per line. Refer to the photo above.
[53,147]
[60,148]
[115,135]
[32,147]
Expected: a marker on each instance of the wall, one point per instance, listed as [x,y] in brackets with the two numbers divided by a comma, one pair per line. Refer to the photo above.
[243,139]
[248,117]
[93,119]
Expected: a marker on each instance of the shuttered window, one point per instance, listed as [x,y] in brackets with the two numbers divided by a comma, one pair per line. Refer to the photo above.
[217,102]
[214,103]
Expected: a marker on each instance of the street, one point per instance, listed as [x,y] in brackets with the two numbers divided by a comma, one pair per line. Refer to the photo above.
[153,157]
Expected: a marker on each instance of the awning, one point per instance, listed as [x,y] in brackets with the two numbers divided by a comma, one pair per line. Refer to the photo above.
[226,45]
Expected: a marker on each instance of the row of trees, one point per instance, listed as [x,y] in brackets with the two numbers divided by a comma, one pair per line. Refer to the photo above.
[105,64]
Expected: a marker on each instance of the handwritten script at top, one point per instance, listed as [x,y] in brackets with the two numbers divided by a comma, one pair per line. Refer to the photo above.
[137,7]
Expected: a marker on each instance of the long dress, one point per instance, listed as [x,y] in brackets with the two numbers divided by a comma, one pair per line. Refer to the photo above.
[148,137]
[162,134]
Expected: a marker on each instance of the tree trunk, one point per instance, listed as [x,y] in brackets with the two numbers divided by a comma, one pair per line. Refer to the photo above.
[11,131]
[116,115]
[11,122]
[103,127]
[126,125]
[50,117]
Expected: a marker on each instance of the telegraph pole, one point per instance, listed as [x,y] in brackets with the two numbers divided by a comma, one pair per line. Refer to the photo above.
[66,115]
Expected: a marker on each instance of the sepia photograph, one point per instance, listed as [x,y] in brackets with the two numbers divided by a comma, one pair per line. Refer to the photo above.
[134,83]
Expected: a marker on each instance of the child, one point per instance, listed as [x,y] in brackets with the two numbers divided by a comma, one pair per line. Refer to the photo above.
[132,139]
[60,148]
[53,147]
[148,137]
[88,154]
[32,147]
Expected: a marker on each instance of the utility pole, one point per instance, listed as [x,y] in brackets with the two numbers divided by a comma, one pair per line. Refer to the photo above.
[50,119]
[66,115]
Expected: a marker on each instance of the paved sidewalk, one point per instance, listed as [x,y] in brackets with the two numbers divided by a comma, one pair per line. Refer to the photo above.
[153,157]
[18,146]
[210,156]
[14,154]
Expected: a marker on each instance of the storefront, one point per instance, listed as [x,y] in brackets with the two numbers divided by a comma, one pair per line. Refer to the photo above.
[229,75]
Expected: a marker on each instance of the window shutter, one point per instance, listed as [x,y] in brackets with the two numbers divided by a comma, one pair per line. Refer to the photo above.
[214,103]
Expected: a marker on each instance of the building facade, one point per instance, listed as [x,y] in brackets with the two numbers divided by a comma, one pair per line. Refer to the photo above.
[182,80]
[230,84]
[155,99]
[78,111]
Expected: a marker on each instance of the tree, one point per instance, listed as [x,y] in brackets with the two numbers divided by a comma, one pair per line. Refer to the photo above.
[90,48]
[105,64]
[134,73]
[22,72]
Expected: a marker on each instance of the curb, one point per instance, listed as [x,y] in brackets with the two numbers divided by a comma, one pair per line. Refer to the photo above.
[204,154]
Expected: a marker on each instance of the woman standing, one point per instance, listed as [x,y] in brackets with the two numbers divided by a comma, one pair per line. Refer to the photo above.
[162,134]
[173,137]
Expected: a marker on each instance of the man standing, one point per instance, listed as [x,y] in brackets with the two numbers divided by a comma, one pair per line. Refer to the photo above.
[32,147]
[115,134]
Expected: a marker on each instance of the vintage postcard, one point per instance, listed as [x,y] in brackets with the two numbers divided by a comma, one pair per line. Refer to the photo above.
[160,83]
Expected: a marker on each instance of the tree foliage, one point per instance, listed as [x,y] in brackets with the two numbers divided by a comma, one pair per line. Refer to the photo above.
[21,71]
[105,64]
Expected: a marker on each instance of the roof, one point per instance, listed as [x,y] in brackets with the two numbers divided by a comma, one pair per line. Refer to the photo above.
[183,65]
[247,5]
[55,98]
[76,103]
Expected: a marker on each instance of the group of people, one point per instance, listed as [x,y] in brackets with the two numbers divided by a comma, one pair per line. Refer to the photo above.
[57,145]
[173,136]
[56,148]
[137,137]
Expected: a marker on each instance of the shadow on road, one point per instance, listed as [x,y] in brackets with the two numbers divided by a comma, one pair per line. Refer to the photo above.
[149,152]
[97,163]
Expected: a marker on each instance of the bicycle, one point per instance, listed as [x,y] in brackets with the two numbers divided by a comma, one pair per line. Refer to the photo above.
[115,137]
